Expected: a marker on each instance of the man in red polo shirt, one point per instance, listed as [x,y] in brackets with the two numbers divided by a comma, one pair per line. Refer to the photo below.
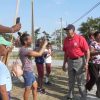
[77,55]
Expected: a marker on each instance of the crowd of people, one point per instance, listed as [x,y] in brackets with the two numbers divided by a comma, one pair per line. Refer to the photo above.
[82,57]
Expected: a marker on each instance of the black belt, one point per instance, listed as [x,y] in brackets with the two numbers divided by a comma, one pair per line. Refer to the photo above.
[76,58]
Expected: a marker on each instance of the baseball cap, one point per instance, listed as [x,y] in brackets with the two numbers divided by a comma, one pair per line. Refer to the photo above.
[4,42]
[69,27]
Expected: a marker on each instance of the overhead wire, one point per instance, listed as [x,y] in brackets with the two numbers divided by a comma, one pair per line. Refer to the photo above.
[85,14]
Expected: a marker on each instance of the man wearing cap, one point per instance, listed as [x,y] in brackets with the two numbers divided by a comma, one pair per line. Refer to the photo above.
[5,78]
[77,55]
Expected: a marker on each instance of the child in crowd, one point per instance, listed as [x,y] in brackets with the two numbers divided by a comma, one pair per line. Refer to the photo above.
[40,66]
[48,61]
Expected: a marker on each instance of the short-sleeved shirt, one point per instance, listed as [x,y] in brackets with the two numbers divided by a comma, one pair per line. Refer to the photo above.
[75,47]
[25,59]
[5,77]
[48,58]
[96,46]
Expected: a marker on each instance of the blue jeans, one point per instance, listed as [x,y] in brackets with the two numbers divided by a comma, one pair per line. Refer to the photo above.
[29,78]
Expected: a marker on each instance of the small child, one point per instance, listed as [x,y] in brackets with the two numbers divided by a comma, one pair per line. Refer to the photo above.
[48,61]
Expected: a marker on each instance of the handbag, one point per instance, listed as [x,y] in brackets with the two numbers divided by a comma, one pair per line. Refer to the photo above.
[17,70]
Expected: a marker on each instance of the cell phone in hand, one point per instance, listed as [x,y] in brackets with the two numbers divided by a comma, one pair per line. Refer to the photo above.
[18,20]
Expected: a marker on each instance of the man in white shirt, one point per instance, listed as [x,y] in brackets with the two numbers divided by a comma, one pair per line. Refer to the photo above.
[5,78]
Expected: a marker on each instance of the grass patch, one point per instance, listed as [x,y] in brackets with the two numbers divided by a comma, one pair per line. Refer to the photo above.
[58,55]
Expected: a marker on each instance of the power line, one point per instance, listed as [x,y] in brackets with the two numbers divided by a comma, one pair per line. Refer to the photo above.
[90,10]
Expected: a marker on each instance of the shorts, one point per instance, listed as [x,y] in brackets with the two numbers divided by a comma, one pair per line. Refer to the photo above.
[29,78]
[40,70]
[9,97]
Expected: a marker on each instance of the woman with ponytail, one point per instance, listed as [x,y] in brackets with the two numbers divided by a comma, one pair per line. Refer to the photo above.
[25,55]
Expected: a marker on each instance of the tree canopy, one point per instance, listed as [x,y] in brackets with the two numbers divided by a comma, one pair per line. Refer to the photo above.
[91,25]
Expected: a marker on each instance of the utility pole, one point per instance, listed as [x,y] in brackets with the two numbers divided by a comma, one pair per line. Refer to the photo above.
[33,34]
[6,58]
[61,33]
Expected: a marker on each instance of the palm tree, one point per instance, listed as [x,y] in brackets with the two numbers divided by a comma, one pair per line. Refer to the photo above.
[37,32]
[91,25]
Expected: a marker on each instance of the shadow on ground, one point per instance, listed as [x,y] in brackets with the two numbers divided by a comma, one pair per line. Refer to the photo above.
[57,91]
